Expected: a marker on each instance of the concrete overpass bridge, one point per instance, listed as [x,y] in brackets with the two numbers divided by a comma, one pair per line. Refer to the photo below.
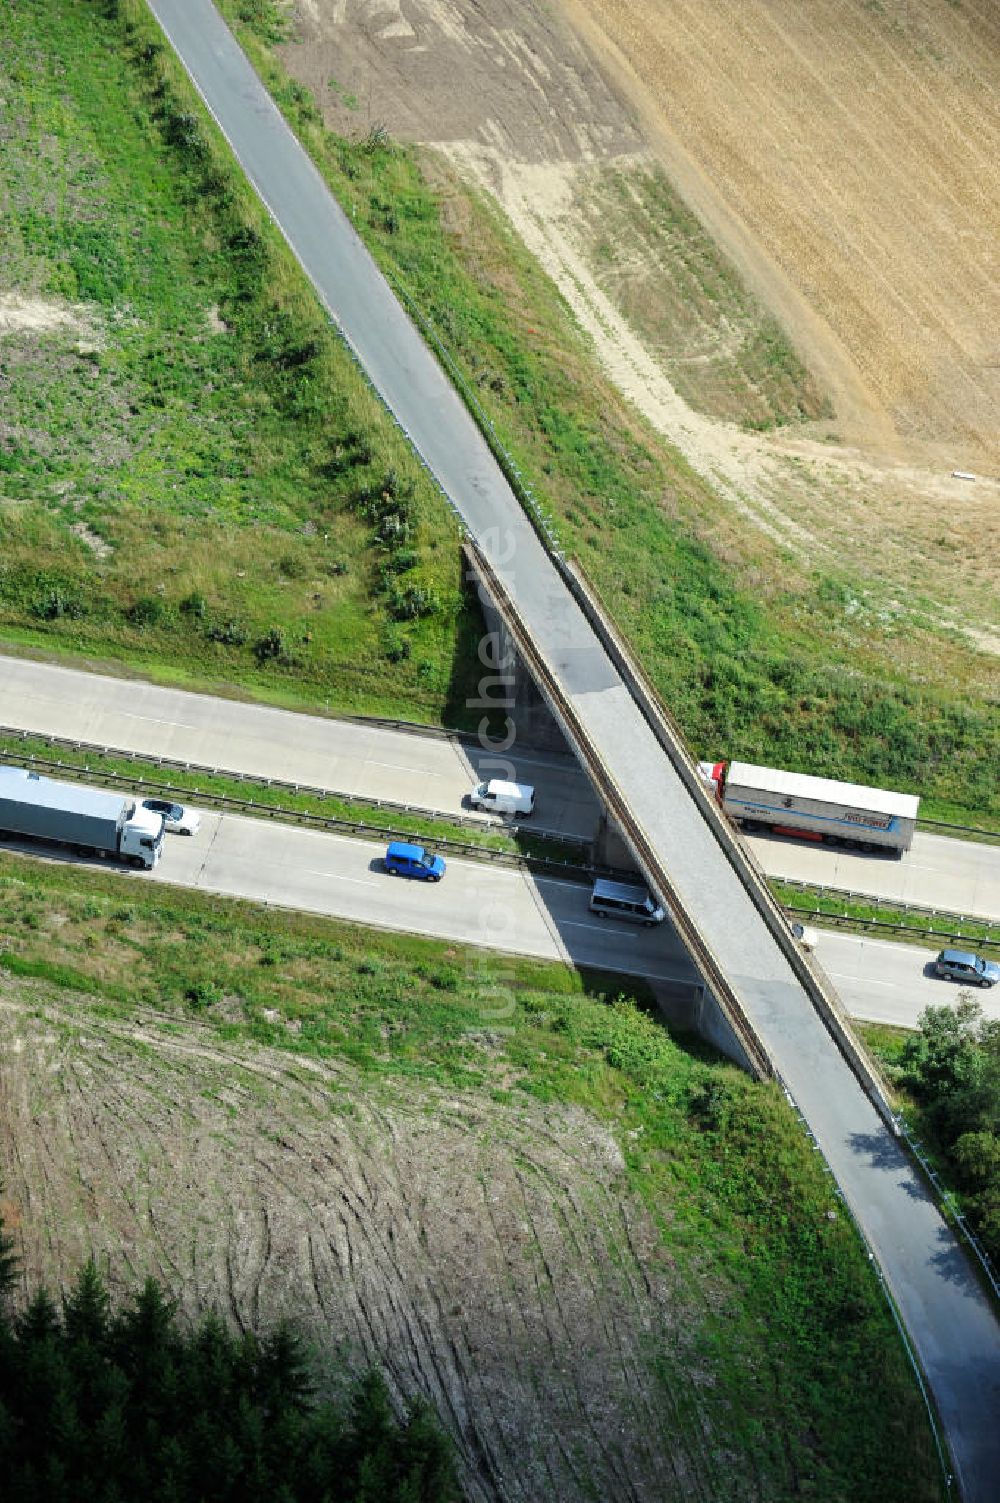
[766,1006]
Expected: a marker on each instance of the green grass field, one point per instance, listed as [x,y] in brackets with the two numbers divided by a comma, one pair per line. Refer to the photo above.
[800,1364]
[194,477]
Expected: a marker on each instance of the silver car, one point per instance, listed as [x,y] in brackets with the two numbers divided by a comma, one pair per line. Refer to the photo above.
[962,965]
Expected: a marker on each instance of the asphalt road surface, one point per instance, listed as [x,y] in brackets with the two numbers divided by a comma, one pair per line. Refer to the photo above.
[954,1329]
[429,771]
[955,876]
[882,982]
[499,908]
[495,907]
[434,772]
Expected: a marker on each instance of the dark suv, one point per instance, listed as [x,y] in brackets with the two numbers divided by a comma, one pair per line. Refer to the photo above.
[962,965]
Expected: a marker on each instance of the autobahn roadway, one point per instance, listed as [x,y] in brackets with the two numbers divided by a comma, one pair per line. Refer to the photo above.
[953,1327]
[502,909]
[492,907]
[434,772]
[881,981]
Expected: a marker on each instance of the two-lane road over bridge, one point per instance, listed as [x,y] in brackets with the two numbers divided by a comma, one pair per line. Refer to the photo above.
[951,1323]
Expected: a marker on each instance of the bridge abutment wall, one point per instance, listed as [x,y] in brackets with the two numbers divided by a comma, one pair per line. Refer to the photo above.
[507,689]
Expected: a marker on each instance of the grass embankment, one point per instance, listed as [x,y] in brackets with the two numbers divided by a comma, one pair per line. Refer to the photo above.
[799,1365]
[268,527]
[191,786]
[754,660]
[194,476]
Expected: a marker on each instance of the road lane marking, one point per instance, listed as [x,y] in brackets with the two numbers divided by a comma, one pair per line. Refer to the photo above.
[865,980]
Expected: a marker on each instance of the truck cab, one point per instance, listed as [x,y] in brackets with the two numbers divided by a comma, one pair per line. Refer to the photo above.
[142,837]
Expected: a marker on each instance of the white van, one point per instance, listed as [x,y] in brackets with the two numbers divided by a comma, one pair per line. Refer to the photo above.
[618,900]
[504,798]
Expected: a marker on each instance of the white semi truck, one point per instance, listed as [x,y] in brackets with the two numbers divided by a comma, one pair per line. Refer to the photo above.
[87,819]
[794,803]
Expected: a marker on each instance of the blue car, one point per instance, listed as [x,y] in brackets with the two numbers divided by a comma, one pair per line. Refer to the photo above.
[402,860]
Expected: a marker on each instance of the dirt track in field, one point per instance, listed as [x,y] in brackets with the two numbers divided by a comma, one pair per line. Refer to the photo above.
[490,1256]
[858,143]
[845,155]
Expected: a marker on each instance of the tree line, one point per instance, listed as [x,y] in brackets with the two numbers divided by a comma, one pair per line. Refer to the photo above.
[951,1066]
[114,1407]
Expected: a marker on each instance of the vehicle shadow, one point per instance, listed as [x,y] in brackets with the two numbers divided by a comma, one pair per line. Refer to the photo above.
[834,847]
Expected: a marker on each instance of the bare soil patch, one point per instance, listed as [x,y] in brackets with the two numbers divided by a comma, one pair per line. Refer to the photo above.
[492,1257]
[37,315]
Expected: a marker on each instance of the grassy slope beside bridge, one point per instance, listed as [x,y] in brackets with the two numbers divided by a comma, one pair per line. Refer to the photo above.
[196,480]
[611,1261]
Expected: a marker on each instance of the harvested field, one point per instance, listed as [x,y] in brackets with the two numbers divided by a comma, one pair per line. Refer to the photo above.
[857,142]
[491,1257]
[842,161]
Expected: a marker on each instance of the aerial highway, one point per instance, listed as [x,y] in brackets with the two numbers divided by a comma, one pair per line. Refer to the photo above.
[494,907]
[502,909]
[881,981]
[434,772]
[953,1327]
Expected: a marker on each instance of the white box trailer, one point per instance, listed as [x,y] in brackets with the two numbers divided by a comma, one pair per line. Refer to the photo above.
[795,803]
[87,819]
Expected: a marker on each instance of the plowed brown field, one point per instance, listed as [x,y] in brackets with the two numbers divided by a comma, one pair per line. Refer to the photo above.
[844,155]
[490,1256]
[858,143]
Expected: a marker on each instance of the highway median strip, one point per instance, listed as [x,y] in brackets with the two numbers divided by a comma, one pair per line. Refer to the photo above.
[567,857]
[863,914]
[269,798]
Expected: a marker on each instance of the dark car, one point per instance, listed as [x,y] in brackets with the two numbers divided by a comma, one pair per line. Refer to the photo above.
[402,860]
[962,965]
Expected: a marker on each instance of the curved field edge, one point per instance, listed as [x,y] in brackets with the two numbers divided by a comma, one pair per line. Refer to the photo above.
[815,671]
[723,354]
[826,133]
[611,1261]
[195,478]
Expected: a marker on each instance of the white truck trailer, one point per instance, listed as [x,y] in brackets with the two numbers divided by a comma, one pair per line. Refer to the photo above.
[794,803]
[87,819]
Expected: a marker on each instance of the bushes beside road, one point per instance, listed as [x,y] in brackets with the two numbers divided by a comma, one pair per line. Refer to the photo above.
[951,1068]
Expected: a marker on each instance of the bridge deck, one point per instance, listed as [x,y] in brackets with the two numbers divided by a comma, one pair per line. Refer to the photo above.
[951,1324]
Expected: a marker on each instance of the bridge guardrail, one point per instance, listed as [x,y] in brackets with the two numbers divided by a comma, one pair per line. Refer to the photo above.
[743,1030]
[670,737]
